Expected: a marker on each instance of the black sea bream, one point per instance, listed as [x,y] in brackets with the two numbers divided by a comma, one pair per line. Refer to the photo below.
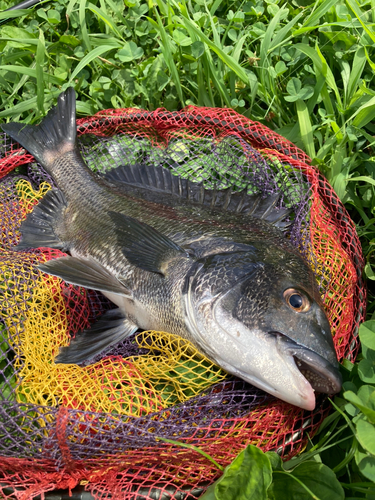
[211,266]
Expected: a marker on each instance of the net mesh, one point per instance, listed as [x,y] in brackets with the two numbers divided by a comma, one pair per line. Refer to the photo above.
[100,425]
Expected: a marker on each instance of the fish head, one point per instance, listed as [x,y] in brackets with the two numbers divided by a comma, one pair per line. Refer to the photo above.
[264,322]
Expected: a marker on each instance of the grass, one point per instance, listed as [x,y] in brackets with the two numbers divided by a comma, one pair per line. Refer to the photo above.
[303,68]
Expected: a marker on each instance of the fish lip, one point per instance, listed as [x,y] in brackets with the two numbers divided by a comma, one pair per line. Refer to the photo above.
[322,375]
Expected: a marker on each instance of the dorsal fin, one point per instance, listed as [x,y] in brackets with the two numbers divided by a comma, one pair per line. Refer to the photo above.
[153,181]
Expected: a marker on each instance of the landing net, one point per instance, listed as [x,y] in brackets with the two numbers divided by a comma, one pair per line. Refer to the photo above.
[100,425]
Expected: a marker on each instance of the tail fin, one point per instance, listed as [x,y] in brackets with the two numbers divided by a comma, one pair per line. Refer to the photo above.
[54,136]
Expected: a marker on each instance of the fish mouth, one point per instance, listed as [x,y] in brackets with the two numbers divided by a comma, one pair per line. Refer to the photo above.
[322,375]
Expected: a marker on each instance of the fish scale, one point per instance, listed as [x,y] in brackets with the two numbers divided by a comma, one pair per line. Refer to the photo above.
[210,265]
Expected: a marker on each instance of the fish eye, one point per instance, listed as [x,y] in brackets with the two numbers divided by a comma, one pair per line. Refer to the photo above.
[296,300]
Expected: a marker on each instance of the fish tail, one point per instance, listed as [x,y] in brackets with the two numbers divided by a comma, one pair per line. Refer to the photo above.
[54,136]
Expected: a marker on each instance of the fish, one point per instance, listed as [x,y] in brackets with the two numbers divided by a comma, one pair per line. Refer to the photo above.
[210,265]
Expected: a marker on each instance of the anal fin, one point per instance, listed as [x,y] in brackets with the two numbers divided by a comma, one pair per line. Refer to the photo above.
[111,329]
[86,273]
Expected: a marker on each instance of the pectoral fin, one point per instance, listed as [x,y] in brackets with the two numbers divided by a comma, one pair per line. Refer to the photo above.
[144,246]
[86,273]
[111,329]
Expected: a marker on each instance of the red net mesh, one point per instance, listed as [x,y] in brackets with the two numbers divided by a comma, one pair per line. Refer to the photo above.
[98,426]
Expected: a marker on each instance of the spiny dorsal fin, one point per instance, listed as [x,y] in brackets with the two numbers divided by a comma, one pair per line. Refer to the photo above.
[160,180]
[54,136]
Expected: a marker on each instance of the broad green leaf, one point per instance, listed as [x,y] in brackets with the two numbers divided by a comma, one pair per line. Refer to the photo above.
[369,271]
[367,395]
[280,67]
[209,494]
[367,329]
[197,49]
[275,460]
[53,16]
[70,40]
[309,480]
[366,370]
[129,52]
[358,403]
[366,435]
[248,476]
[181,38]
[93,54]
[367,467]
[293,87]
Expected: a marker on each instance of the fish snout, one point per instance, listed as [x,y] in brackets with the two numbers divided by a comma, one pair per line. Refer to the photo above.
[323,375]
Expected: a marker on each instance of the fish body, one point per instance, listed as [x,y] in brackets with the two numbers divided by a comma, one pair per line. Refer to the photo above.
[211,266]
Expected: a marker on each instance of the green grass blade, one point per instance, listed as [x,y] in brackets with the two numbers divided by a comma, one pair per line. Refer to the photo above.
[31,72]
[215,6]
[82,22]
[305,127]
[215,33]
[266,42]
[212,74]
[354,7]
[70,6]
[10,14]
[321,65]
[364,114]
[281,35]
[24,41]
[237,51]
[356,72]
[364,178]
[228,60]
[168,57]
[19,108]
[105,18]
[39,70]
[314,17]
[93,54]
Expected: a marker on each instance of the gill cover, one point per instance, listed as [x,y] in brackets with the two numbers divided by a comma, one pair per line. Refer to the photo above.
[231,307]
